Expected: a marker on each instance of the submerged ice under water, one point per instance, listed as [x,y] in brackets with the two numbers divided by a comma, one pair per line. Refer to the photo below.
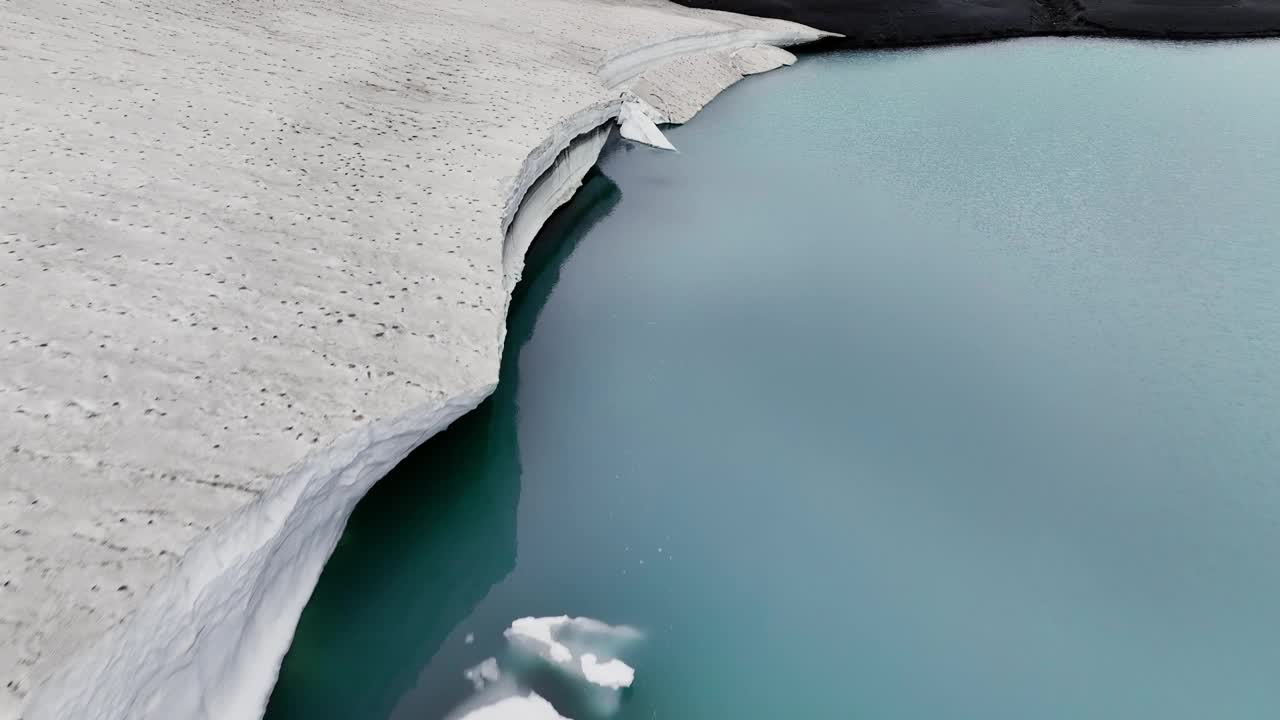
[924,384]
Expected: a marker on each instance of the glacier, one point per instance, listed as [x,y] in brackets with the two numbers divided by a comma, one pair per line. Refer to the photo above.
[256,253]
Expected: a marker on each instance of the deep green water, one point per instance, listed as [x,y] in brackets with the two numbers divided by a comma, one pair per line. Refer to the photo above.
[933,384]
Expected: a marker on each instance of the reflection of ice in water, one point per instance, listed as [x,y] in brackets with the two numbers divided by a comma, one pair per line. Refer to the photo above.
[581,649]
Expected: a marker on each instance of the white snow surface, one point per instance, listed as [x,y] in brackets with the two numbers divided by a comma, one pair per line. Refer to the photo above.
[761,58]
[252,253]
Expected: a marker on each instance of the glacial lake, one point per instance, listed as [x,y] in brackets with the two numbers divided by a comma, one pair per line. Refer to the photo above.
[937,384]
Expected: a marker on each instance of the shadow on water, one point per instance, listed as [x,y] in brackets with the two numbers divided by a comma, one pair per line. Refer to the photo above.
[430,540]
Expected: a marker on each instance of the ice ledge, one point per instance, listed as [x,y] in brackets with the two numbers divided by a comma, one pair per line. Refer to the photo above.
[207,640]
[626,64]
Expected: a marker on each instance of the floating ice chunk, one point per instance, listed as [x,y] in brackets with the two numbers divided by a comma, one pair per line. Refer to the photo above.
[516,707]
[560,638]
[483,674]
[637,126]
[613,674]
[538,633]
[583,649]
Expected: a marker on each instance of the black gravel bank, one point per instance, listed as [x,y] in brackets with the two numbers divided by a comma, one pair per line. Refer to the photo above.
[873,23]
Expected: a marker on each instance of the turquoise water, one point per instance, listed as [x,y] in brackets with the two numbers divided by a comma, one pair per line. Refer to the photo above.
[923,384]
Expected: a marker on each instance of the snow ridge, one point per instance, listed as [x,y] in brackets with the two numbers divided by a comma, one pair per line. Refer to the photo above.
[624,65]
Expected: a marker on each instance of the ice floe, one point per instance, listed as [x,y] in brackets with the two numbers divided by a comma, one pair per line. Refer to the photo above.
[516,707]
[583,650]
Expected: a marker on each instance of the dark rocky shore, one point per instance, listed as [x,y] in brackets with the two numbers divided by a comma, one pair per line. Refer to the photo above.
[879,23]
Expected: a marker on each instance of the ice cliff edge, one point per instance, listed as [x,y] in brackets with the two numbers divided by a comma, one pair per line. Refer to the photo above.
[255,253]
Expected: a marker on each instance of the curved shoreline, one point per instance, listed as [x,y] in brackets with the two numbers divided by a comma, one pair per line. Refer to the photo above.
[203,637]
